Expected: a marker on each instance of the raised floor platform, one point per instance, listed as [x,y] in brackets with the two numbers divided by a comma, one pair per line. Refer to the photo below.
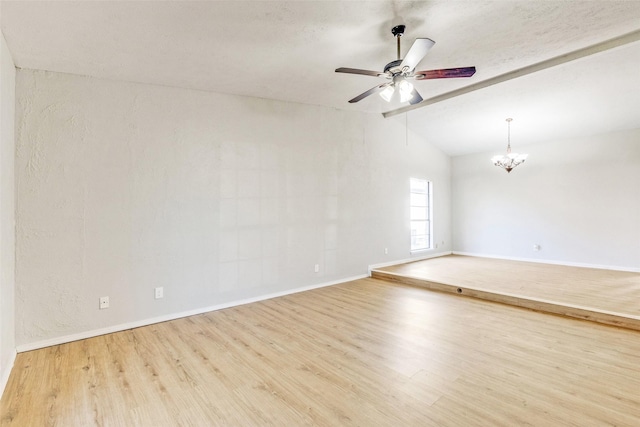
[604,296]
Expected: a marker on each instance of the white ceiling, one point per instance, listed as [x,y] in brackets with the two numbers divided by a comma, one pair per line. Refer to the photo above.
[288,50]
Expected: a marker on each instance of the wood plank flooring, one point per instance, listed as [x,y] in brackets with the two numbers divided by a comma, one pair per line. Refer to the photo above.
[363,353]
[605,296]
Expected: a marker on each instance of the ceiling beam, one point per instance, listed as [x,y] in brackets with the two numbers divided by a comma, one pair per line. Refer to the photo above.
[558,60]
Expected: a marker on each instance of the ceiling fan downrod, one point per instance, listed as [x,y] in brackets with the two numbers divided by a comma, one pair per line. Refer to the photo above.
[397,32]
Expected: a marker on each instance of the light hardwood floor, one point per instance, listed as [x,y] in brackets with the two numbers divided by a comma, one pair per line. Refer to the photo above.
[605,296]
[365,353]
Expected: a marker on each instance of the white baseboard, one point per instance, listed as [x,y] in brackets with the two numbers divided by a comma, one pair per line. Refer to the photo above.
[406,260]
[546,261]
[146,322]
[6,371]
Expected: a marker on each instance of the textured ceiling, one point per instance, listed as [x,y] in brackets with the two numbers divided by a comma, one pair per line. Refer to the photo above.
[289,50]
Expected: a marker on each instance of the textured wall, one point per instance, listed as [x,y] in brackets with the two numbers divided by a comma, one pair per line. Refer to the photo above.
[579,200]
[7,211]
[123,187]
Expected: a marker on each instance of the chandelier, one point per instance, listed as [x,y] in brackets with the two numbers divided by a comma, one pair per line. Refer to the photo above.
[509,160]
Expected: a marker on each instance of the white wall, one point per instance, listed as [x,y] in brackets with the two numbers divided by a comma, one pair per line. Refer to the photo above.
[123,187]
[579,200]
[7,209]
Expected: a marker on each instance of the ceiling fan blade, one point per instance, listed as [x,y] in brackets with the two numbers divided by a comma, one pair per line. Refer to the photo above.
[358,71]
[446,73]
[418,50]
[415,97]
[370,92]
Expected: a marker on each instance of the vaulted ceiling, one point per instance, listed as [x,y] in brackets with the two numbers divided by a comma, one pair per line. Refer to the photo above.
[288,50]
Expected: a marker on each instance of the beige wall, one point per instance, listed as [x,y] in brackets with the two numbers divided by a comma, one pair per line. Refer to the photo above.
[7,209]
[578,199]
[124,187]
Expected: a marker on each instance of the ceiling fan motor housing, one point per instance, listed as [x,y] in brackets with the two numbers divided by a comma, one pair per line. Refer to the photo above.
[393,67]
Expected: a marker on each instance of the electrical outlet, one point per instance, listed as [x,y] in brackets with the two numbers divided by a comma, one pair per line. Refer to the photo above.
[104,303]
[159,292]
[386,251]
[316,268]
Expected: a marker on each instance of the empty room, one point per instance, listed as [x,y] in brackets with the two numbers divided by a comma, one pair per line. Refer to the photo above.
[331,213]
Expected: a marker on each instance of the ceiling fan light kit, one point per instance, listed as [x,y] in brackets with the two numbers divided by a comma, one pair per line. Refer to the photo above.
[387,93]
[510,160]
[399,71]
[405,89]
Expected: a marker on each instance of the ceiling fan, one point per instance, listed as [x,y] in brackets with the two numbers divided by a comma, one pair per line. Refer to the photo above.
[398,72]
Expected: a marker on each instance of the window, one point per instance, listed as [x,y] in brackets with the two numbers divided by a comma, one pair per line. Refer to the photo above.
[420,215]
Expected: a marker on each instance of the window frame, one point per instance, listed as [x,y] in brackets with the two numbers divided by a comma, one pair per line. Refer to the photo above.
[421,213]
